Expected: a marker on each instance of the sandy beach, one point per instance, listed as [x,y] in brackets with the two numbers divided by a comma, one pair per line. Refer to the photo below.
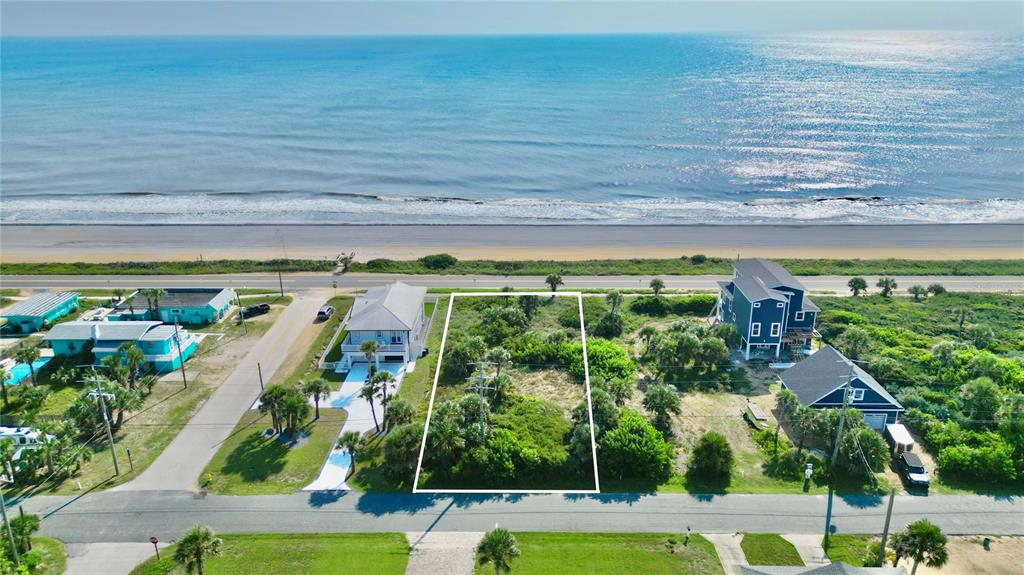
[102,243]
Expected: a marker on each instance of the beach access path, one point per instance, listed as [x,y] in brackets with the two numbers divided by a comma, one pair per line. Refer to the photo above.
[181,463]
[132,516]
[359,281]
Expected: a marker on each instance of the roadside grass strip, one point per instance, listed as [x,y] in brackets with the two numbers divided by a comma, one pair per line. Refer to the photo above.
[769,549]
[524,418]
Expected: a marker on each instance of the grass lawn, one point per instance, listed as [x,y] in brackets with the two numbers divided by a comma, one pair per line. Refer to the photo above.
[612,553]
[250,463]
[416,385]
[769,549]
[428,308]
[54,557]
[320,553]
[849,548]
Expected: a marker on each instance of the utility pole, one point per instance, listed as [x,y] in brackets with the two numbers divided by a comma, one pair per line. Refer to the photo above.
[835,454]
[280,282]
[885,531]
[3,510]
[241,315]
[259,370]
[479,388]
[106,420]
[181,358]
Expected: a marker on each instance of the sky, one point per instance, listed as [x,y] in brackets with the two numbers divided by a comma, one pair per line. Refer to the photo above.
[145,18]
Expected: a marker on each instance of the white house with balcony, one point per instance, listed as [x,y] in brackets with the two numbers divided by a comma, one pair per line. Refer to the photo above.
[391,315]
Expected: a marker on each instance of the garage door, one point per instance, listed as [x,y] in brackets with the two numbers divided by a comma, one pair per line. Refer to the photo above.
[875,421]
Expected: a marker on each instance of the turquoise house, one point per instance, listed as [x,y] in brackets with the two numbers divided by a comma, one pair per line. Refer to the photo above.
[39,311]
[187,306]
[159,343]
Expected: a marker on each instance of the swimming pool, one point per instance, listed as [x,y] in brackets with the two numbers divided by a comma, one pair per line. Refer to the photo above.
[360,371]
[20,370]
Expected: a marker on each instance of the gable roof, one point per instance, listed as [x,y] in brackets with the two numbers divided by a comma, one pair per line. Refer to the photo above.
[394,307]
[107,330]
[39,304]
[831,569]
[194,297]
[769,272]
[755,290]
[825,371]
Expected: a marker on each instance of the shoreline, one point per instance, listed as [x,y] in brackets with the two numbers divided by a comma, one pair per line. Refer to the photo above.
[176,242]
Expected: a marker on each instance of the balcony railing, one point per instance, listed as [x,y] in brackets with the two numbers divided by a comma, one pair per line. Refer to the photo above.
[388,348]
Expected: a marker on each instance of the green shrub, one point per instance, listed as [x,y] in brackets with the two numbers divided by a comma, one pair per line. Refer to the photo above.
[712,457]
[635,449]
[438,261]
[606,359]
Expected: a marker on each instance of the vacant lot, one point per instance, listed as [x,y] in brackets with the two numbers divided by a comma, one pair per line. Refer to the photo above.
[612,554]
[967,557]
[320,553]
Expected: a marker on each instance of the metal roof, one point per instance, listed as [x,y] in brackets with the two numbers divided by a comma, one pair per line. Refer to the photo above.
[159,333]
[191,297]
[755,290]
[771,273]
[825,371]
[40,304]
[394,307]
[106,330]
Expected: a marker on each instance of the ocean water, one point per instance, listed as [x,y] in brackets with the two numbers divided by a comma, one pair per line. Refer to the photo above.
[873,127]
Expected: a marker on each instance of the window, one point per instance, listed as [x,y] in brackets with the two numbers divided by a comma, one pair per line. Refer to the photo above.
[380,334]
[396,337]
[755,330]
[856,395]
[757,304]
[776,328]
[780,304]
[799,316]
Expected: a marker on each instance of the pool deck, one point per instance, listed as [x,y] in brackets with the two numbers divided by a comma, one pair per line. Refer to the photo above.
[360,418]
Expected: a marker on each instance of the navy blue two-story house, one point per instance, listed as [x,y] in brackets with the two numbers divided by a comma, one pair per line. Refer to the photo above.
[768,306]
[818,383]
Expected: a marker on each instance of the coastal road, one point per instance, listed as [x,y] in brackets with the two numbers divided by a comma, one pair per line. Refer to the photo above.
[304,281]
[179,466]
[135,516]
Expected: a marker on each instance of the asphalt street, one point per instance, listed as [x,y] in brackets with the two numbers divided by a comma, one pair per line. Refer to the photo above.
[135,516]
[301,281]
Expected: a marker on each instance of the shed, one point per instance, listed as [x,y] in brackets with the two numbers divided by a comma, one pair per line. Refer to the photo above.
[40,310]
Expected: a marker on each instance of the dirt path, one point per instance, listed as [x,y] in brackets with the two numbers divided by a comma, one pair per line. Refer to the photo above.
[451,553]
[968,557]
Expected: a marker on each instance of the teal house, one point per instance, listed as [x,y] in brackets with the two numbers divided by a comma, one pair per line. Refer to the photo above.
[39,311]
[160,343]
[187,306]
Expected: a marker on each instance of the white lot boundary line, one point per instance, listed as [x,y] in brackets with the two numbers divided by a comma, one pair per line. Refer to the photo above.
[437,375]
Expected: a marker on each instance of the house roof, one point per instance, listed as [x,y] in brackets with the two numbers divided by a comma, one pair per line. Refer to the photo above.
[809,305]
[825,371]
[755,289]
[195,297]
[106,330]
[394,307]
[39,304]
[771,273]
[831,569]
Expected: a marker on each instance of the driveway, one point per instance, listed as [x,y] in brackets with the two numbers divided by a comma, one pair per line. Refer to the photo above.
[179,466]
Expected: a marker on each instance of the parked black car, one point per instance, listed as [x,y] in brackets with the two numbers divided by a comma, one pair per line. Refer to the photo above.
[911,470]
[254,310]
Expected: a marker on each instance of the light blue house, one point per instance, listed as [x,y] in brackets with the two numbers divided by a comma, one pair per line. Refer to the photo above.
[159,343]
[189,306]
[39,311]
[768,306]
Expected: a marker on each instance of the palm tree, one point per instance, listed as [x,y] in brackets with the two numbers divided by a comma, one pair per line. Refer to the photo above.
[647,334]
[887,286]
[4,376]
[381,380]
[657,285]
[662,399]
[153,296]
[368,392]
[294,410]
[22,528]
[351,441]
[195,546]
[369,349]
[917,291]
[318,389]
[936,289]
[270,402]
[921,541]
[553,281]
[498,547]
[399,413]
[857,285]
[962,315]
[614,299]
[500,357]
[133,359]
[118,295]
[131,304]
[27,355]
